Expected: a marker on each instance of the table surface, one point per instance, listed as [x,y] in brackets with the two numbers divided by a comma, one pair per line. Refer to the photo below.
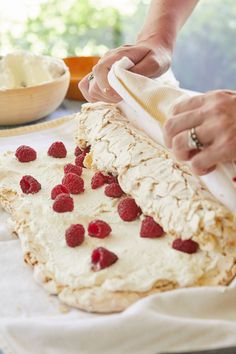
[231,350]
[70,107]
[67,107]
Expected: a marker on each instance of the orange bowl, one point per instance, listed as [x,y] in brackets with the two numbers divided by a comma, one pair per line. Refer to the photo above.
[79,67]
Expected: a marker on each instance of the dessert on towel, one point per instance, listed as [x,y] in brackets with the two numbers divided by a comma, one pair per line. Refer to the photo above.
[117,222]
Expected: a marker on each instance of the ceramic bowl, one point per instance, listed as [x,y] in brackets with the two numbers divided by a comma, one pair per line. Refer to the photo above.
[27,104]
[79,67]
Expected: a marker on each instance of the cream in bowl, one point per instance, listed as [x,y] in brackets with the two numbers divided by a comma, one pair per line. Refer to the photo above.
[31,86]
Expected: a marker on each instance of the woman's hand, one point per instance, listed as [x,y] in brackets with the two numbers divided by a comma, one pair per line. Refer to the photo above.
[148,62]
[213,115]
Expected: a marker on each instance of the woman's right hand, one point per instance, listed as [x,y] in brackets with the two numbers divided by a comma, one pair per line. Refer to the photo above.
[147,62]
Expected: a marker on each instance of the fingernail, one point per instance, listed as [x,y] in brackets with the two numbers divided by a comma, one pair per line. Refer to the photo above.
[205,172]
[210,169]
[108,90]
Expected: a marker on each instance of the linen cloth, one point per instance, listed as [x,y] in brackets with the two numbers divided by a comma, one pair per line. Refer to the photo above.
[148,103]
[33,322]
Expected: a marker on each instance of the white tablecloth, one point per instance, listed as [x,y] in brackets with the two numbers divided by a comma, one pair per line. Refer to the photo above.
[32,322]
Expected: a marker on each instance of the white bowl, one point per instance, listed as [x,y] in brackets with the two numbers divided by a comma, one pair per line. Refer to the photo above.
[27,104]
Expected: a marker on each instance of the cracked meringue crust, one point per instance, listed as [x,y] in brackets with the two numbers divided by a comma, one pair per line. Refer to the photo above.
[164,188]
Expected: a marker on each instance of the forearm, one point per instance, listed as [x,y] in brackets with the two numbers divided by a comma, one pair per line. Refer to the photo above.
[164,20]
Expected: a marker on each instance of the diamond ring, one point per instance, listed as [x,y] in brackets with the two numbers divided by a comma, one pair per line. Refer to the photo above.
[90,77]
[193,141]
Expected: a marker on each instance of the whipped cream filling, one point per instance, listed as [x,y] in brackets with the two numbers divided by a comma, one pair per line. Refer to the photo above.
[23,69]
[142,262]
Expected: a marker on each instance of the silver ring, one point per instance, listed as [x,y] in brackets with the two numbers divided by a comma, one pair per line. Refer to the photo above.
[90,77]
[193,141]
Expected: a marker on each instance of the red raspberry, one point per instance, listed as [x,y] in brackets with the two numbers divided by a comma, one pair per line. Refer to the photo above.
[113,190]
[75,235]
[87,149]
[187,246]
[25,153]
[99,228]
[150,228]
[128,209]
[79,161]
[102,258]
[59,189]
[77,170]
[29,185]
[63,203]
[234,179]
[57,150]
[78,151]
[111,179]
[98,180]
[74,183]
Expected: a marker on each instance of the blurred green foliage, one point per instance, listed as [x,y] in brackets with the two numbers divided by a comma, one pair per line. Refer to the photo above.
[64,28]
[205,54]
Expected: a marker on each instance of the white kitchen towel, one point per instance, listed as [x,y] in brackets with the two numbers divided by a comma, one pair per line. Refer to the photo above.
[147,103]
[32,322]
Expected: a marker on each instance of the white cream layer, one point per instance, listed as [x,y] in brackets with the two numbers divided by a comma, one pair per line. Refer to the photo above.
[141,261]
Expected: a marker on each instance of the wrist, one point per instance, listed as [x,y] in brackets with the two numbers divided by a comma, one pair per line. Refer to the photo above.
[160,32]
[156,44]
[154,41]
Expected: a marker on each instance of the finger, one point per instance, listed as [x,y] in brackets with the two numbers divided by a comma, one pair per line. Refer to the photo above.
[100,72]
[206,133]
[181,148]
[96,94]
[188,104]
[135,54]
[103,67]
[91,91]
[147,65]
[84,87]
[152,65]
[205,161]
[181,144]
[179,123]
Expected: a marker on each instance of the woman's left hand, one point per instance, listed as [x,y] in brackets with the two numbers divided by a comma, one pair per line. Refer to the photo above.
[213,116]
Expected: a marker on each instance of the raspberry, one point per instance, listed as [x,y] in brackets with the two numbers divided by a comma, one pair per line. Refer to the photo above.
[111,179]
[57,150]
[102,258]
[74,183]
[87,149]
[128,209]
[25,153]
[59,189]
[234,179]
[77,170]
[29,185]
[63,203]
[78,151]
[79,161]
[99,228]
[113,190]
[187,246]
[75,235]
[150,228]
[98,180]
